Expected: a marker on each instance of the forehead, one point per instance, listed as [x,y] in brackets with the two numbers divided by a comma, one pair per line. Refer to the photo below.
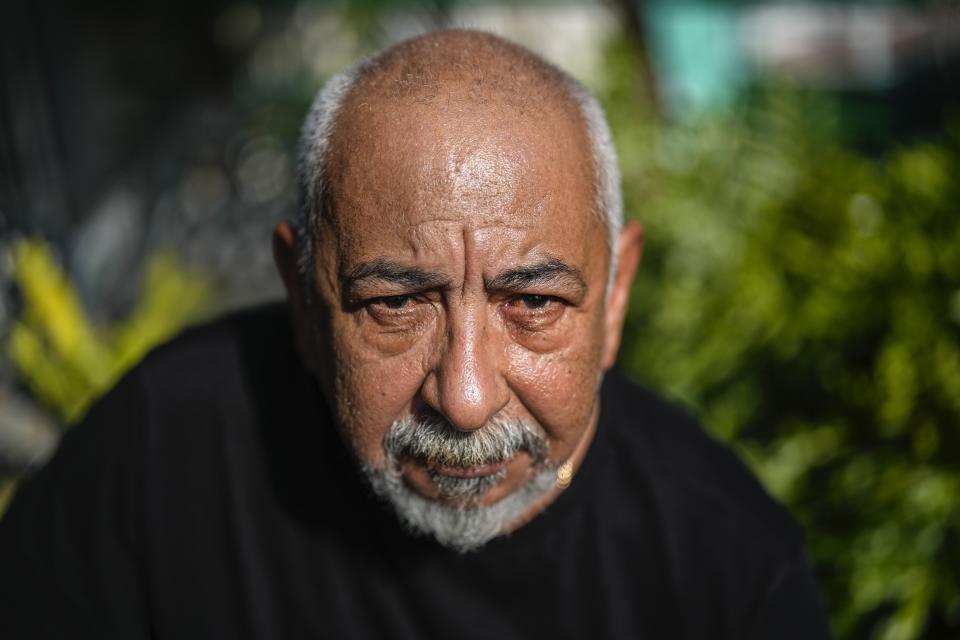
[402,166]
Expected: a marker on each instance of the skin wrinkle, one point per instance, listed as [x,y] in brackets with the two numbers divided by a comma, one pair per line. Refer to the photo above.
[486,179]
[550,270]
[510,74]
[458,196]
[384,271]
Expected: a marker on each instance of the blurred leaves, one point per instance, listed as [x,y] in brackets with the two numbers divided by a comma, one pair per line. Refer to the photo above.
[63,359]
[805,298]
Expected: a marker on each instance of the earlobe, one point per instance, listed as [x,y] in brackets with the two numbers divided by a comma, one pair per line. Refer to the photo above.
[629,250]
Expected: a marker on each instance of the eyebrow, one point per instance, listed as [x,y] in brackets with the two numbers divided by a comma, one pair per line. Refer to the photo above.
[381,270]
[551,271]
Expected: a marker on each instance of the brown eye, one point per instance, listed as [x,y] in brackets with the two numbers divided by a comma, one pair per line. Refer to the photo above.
[534,312]
[394,302]
[534,301]
[402,310]
[392,324]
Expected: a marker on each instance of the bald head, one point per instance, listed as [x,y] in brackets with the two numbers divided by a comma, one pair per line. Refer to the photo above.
[458,192]
[475,67]
[468,82]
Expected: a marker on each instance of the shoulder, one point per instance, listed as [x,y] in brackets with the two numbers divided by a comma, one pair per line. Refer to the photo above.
[212,386]
[726,544]
[200,353]
[148,466]
[703,479]
[177,387]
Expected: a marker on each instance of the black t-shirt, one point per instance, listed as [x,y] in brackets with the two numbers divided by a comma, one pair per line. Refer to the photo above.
[209,496]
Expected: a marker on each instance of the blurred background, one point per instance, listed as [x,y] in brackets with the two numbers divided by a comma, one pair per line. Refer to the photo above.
[795,164]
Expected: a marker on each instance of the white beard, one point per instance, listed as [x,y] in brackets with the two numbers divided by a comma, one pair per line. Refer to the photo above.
[465,526]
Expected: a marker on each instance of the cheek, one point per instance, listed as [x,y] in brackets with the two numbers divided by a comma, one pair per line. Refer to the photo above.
[371,389]
[559,388]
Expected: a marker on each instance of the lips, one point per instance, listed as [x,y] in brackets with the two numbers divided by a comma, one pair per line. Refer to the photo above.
[478,471]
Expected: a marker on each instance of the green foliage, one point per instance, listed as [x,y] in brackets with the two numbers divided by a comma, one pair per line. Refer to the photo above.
[805,299]
[63,359]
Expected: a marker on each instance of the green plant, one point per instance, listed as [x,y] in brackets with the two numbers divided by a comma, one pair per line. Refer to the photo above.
[805,299]
[64,360]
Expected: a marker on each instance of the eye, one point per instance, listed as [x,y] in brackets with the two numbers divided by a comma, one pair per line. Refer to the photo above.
[394,302]
[534,312]
[396,310]
[532,301]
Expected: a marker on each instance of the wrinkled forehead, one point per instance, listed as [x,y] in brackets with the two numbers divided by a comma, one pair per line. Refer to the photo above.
[456,154]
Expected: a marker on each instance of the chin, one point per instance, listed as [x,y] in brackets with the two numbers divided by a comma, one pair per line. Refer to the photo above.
[462,523]
[462,488]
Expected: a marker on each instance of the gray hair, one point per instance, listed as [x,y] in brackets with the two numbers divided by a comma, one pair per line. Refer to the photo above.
[315,148]
[465,525]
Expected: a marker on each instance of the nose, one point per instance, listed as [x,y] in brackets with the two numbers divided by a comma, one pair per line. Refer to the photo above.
[465,383]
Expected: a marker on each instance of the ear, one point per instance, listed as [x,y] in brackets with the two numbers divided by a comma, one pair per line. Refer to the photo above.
[286,255]
[629,250]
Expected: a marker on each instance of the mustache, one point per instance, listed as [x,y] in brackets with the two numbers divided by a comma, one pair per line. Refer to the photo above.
[432,438]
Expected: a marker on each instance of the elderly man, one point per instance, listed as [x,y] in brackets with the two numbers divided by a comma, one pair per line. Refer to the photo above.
[430,448]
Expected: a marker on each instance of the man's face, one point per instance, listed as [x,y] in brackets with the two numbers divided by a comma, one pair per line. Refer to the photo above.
[461,279]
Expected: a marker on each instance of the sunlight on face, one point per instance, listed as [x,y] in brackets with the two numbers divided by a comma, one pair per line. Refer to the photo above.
[462,274]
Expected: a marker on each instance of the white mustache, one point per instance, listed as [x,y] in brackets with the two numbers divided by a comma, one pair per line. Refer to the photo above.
[432,438]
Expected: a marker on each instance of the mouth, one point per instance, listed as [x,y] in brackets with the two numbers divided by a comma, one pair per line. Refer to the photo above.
[479,471]
[464,483]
